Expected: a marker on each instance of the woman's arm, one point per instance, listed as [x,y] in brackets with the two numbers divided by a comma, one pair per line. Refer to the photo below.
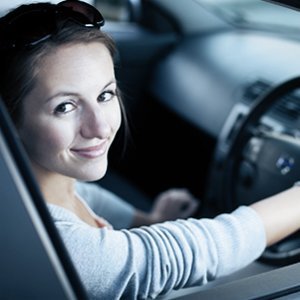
[147,261]
[280,214]
[150,260]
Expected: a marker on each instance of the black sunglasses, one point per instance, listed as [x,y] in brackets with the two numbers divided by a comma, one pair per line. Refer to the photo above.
[28,28]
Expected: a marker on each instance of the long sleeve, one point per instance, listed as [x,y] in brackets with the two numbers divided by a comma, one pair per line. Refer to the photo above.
[144,262]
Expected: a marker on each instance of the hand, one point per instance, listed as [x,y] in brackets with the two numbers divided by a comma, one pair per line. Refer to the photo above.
[174,204]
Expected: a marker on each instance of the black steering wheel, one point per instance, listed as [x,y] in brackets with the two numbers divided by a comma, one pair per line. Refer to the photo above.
[254,160]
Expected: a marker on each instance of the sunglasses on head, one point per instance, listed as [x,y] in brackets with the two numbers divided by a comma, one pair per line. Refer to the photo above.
[38,23]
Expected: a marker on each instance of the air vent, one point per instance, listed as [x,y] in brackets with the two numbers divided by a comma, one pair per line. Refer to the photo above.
[254,90]
[288,107]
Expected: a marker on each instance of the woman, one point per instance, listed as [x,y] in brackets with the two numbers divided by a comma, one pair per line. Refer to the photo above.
[59,85]
[167,206]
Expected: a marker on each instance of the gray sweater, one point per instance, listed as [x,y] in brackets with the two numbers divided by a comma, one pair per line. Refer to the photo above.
[145,262]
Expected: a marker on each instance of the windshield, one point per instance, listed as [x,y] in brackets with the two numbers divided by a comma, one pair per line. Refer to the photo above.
[255,13]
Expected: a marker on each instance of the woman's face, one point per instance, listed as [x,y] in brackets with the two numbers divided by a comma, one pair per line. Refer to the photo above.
[72,115]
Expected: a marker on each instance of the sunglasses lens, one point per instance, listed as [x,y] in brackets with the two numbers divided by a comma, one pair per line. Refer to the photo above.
[25,30]
[85,12]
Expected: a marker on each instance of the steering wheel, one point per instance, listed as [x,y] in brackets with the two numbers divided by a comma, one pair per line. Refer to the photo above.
[254,160]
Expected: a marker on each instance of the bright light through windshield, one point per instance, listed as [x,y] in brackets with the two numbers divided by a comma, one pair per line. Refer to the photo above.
[255,13]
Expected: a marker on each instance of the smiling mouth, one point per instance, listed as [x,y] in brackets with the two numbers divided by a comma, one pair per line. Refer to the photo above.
[91,152]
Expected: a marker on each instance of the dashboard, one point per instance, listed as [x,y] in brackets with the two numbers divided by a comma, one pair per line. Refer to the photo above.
[222,69]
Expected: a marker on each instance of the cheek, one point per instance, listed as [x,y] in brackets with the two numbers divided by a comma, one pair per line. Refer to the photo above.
[42,142]
[116,118]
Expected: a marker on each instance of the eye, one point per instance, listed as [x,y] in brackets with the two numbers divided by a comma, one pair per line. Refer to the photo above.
[64,108]
[106,96]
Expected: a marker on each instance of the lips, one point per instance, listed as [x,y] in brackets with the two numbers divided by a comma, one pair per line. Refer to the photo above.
[91,152]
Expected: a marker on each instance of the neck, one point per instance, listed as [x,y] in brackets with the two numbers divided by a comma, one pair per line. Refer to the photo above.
[60,190]
[56,188]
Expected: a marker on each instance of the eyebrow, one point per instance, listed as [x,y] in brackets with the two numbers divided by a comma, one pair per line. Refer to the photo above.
[113,81]
[66,94]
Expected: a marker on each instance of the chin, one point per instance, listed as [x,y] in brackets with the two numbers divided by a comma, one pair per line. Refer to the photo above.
[89,178]
[92,175]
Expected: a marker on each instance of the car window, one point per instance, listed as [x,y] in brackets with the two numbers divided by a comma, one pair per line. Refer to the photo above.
[113,10]
[254,13]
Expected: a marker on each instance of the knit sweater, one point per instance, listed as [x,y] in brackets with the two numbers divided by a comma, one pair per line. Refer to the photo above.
[145,262]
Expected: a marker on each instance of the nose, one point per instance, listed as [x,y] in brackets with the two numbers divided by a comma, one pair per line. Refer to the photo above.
[95,123]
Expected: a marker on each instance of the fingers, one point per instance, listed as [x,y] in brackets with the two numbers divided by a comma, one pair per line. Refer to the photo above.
[189,207]
[174,204]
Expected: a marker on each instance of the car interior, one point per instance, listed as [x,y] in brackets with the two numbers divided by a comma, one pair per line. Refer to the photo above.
[212,95]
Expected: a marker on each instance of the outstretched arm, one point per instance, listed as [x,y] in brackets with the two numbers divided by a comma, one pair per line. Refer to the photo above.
[154,260]
[280,214]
